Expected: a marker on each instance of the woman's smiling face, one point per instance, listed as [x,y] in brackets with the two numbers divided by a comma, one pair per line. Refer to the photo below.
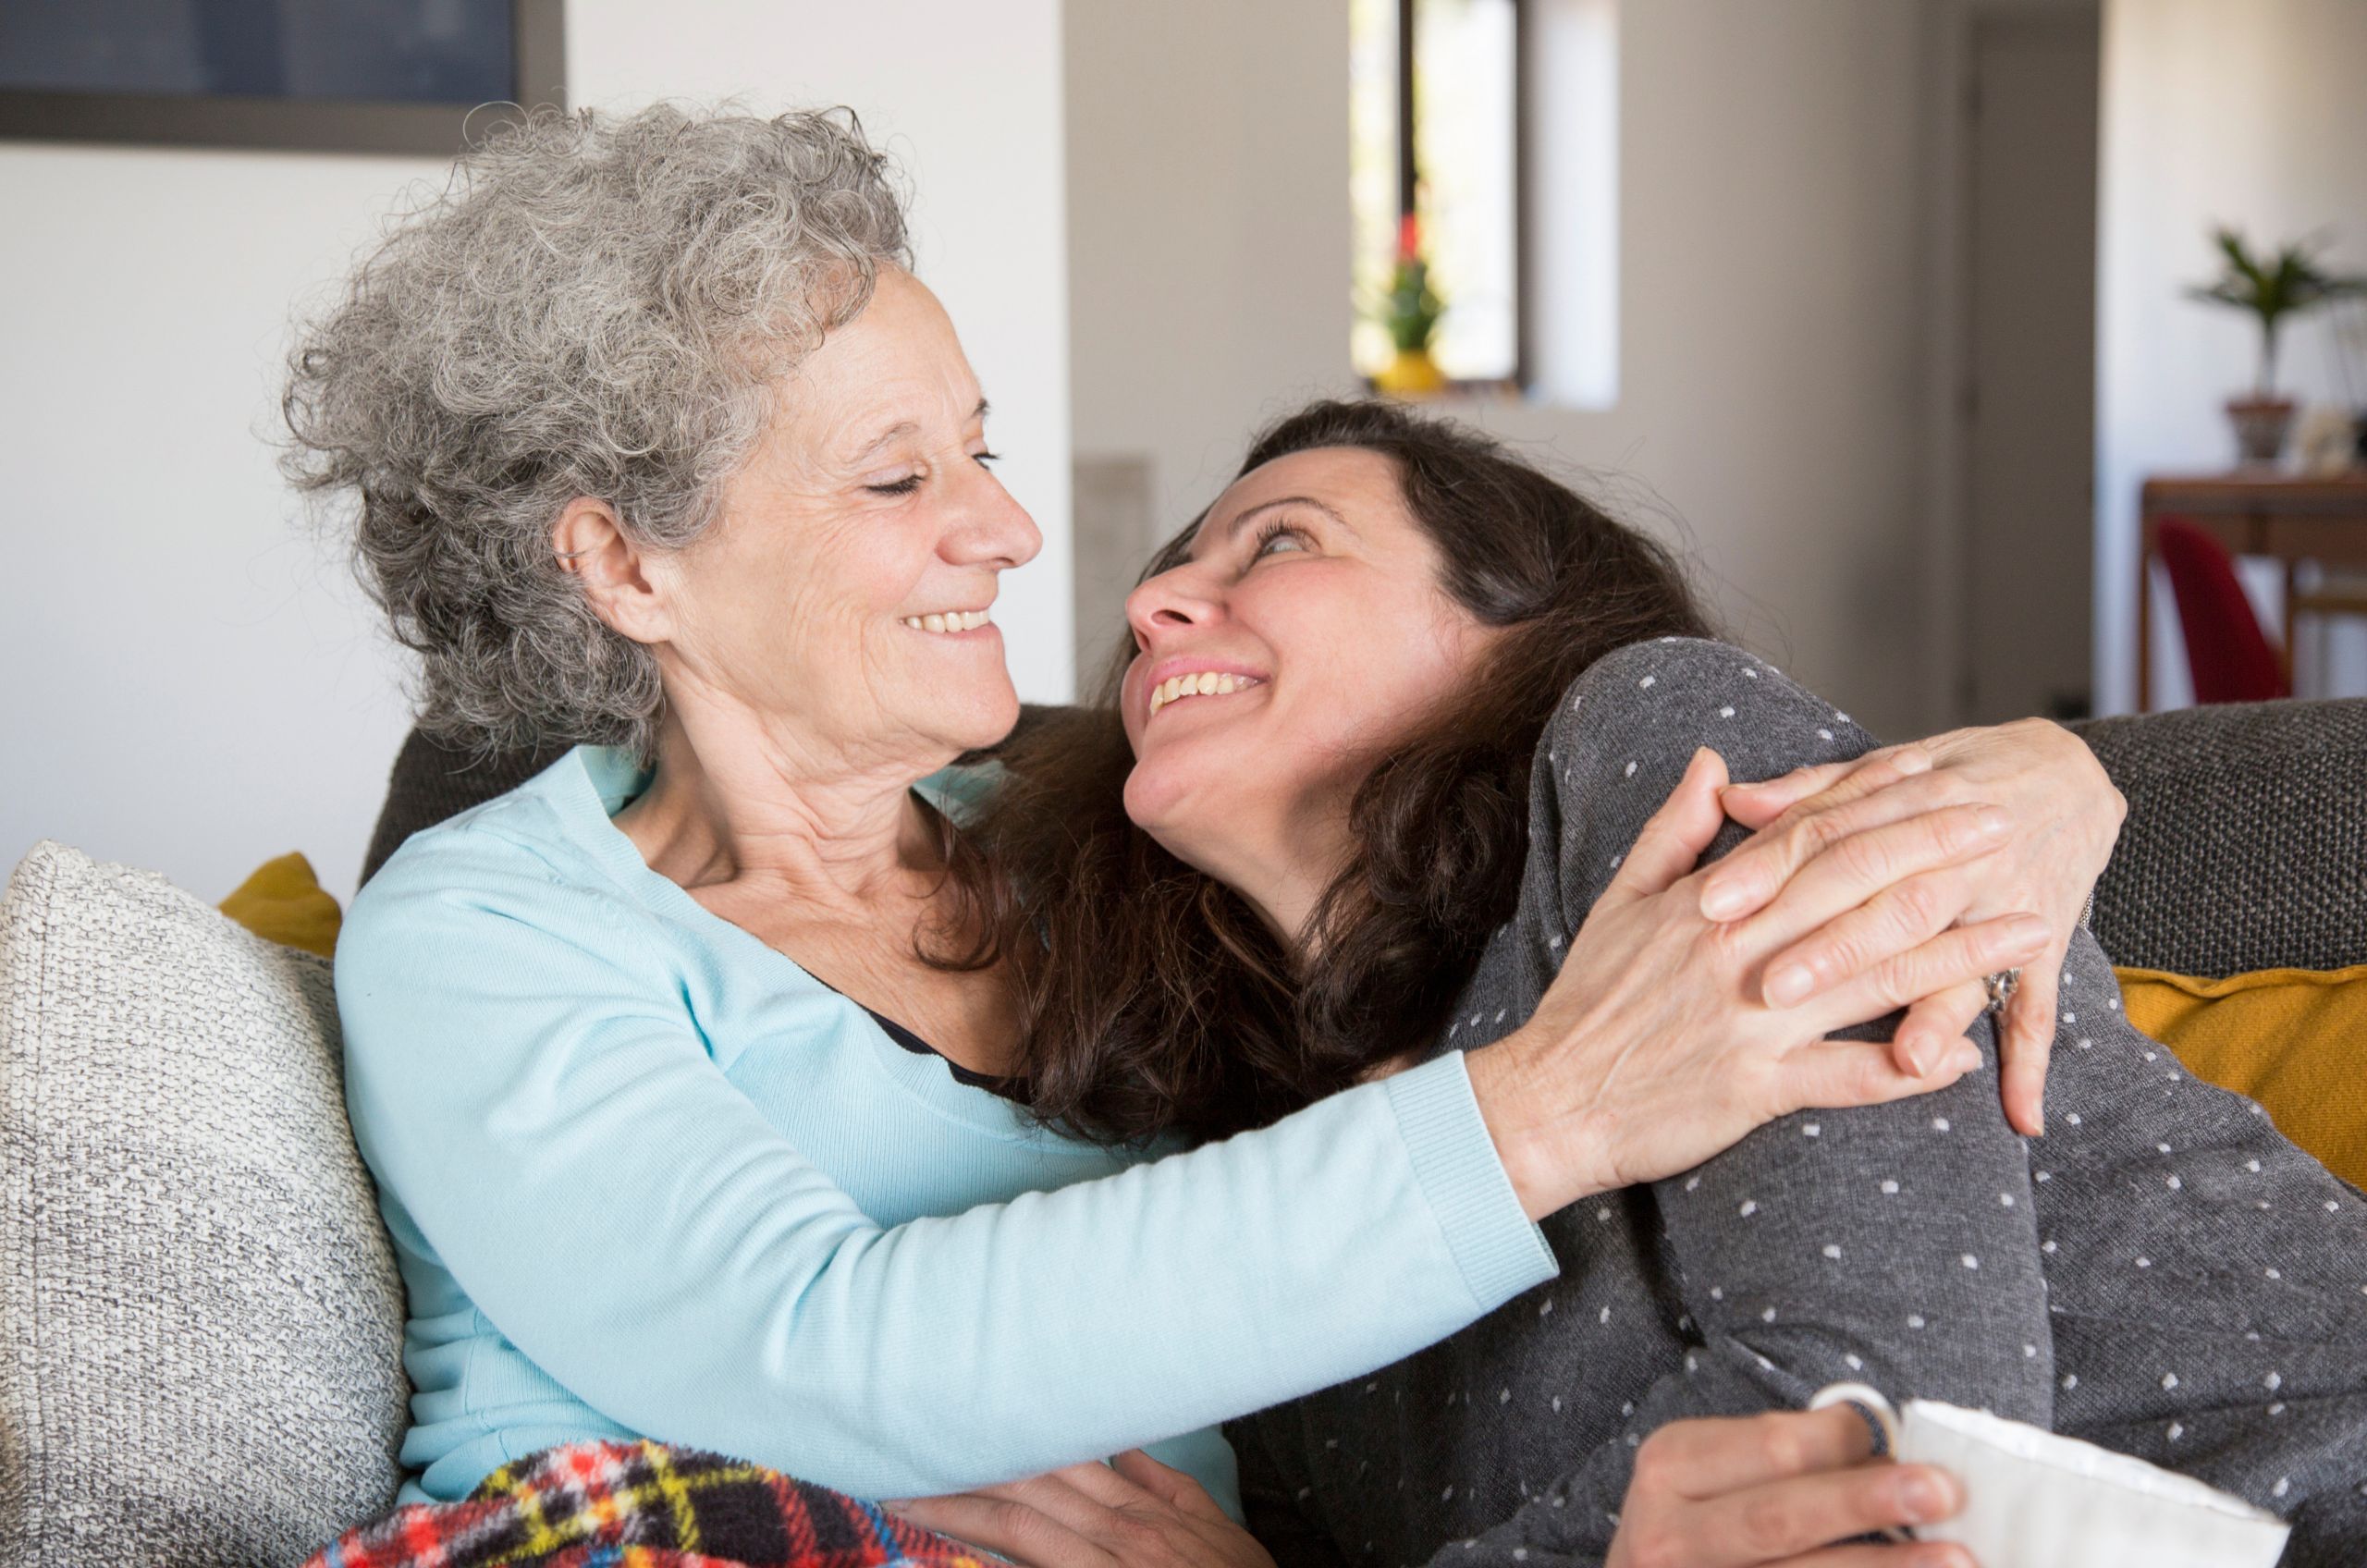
[1310,628]
[844,595]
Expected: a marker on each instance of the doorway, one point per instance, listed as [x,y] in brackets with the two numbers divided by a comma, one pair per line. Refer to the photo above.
[2026,405]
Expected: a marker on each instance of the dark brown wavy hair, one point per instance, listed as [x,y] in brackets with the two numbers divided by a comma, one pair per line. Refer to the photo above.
[1155,1001]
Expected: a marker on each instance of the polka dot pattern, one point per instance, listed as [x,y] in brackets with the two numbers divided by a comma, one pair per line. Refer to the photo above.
[1915,1246]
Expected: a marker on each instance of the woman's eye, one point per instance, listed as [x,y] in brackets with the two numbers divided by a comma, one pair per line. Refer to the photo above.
[903,487]
[987,460]
[1279,541]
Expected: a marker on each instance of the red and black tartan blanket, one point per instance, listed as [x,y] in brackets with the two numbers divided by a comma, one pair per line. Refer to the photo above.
[643,1505]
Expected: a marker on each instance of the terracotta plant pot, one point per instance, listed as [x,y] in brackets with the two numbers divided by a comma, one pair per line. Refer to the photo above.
[2261,427]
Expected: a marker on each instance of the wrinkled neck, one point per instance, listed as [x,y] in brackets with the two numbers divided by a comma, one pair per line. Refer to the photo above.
[736,804]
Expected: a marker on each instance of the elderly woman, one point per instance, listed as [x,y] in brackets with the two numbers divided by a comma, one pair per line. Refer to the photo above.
[682,1068]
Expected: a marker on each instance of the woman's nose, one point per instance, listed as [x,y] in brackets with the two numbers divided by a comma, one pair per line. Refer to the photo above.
[1171,602]
[991,527]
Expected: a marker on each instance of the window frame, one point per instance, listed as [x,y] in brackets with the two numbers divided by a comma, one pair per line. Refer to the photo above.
[1515,383]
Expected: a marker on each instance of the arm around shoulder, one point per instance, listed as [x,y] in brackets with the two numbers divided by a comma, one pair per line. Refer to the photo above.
[526,1084]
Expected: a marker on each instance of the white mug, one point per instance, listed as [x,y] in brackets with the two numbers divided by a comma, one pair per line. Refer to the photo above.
[2034,1499]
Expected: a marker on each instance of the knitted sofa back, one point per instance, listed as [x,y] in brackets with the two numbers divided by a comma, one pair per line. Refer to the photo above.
[2246,844]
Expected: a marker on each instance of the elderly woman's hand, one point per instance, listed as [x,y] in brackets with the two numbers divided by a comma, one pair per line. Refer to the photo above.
[1764,1491]
[1656,1045]
[2065,816]
[1777,1492]
[1132,1513]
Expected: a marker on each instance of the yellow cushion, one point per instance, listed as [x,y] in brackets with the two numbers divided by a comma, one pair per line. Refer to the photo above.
[2293,1039]
[283,902]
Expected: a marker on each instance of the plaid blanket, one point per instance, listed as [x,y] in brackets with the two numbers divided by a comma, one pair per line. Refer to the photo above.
[643,1505]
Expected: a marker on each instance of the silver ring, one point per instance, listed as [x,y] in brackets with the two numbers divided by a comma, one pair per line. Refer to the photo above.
[2002,987]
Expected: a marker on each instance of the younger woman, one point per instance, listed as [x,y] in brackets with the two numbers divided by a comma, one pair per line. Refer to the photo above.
[1447,705]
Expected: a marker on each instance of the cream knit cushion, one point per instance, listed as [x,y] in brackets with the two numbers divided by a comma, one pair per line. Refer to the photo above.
[201,1324]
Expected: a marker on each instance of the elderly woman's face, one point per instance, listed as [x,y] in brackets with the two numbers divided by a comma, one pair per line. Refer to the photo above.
[843,597]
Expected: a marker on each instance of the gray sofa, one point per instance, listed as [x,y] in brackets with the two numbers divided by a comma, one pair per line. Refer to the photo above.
[2245,848]
[2246,844]
[200,1323]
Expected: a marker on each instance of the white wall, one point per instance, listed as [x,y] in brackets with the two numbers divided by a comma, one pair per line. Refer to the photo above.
[1770,325]
[2245,112]
[1208,162]
[191,683]
[1771,332]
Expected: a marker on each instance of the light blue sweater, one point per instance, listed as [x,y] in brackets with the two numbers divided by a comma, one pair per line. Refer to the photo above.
[646,1176]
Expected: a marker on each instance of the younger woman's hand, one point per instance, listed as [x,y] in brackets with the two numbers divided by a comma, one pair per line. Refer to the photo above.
[1656,1045]
[1132,1513]
[1778,1492]
[2064,818]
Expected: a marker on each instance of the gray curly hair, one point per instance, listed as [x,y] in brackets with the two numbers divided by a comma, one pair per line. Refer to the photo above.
[594,305]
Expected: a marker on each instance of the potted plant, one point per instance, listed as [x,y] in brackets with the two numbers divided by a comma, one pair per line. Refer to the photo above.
[2271,288]
[1410,310]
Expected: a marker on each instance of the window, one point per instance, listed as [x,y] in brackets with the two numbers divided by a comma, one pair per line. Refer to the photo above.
[1435,134]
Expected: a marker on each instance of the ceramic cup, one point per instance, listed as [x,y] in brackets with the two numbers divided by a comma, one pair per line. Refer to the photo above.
[2035,1499]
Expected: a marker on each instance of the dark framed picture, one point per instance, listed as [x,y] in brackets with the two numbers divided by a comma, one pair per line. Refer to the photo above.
[349,76]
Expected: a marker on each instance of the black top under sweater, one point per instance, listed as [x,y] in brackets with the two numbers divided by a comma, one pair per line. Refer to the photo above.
[1009,1088]
[2161,1273]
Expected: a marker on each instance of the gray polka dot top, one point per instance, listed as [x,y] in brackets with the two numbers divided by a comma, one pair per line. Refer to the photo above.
[2162,1274]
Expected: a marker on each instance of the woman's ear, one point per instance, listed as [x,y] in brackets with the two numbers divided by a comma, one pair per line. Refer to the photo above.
[589,540]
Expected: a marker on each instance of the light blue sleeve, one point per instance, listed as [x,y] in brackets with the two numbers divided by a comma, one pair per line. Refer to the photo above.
[524,1080]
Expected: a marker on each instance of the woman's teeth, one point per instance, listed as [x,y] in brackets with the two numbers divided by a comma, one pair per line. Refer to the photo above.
[956,620]
[1208,684]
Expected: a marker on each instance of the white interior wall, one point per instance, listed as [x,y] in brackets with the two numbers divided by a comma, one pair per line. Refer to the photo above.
[192,683]
[1770,199]
[1208,171]
[1771,337]
[2244,112]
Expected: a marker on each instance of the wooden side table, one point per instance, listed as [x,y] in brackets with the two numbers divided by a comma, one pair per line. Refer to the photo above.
[2292,518]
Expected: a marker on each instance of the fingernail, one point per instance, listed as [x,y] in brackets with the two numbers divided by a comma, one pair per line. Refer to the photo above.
[1922,1055]
[1967,1058]
[1994,823]
[1921,1498]
[1912,762]
[1789,985]
[1722,900]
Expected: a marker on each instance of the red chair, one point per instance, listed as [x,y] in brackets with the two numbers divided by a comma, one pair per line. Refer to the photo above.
[2228,654]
